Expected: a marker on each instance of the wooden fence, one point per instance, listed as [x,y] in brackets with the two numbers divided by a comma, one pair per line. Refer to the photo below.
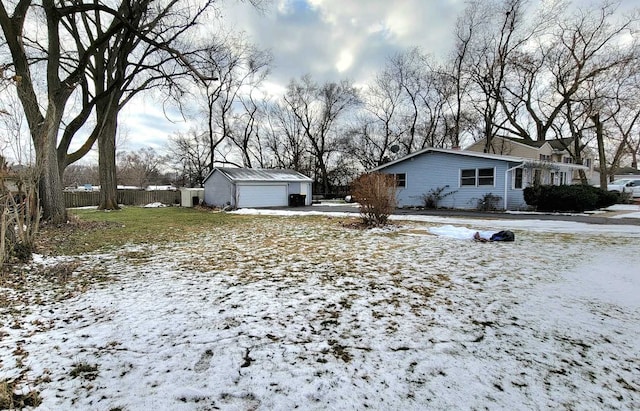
[126,197]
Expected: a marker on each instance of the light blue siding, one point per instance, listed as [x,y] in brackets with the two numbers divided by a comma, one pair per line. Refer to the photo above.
[432,170]
[301,188]
[219,191]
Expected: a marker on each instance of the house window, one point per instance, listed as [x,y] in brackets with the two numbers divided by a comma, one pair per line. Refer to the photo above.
[545,157]
[485,177]
[401,179]
[537,177]
[558,179]
[468,177]
[587,162]
[517,178]
[567,160]
[477,177]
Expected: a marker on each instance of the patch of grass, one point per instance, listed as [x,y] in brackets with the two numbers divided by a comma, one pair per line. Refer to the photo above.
[62,272]
[91,230]
[12,400]
[84,370]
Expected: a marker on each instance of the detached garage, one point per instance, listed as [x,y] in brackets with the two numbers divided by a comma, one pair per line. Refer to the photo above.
[252,187]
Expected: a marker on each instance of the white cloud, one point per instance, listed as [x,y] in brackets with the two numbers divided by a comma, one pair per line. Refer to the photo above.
[334,39]
[344,61]
[329,39]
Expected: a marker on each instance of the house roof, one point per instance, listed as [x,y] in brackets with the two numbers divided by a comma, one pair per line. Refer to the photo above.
[556,144]
[455,152]
[472,154]
[628,170]
[260,175]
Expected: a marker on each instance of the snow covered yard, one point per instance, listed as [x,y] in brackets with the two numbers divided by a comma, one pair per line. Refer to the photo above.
[304,312]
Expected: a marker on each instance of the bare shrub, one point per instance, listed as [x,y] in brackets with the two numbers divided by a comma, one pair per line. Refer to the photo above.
[376,194]
[19,215]
[488,202]
[432,198]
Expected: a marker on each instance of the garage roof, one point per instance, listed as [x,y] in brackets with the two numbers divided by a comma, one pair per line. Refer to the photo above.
[261,174]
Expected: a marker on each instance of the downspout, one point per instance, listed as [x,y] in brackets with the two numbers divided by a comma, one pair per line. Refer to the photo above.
[506,186]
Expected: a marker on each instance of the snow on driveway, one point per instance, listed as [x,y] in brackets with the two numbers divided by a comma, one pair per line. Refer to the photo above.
[304,313]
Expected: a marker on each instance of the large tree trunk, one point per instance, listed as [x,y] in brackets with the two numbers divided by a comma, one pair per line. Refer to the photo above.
[601,153]
[50,182]
[107,163]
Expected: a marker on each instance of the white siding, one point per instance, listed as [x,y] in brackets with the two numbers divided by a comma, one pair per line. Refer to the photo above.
[306,190]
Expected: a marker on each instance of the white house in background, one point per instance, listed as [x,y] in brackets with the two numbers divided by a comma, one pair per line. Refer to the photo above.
[167,187]
[250,187]
[555,151]
[467,177]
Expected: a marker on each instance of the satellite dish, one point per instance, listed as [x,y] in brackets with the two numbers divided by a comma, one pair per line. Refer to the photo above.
[394,148]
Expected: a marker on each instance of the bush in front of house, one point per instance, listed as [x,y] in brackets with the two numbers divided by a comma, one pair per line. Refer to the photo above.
[432,198]
[488,202]
[605,198]
[376,194]
[576,198]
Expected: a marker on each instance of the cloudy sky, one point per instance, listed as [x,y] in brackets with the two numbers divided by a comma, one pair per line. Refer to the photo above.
[329,39]
[335,39]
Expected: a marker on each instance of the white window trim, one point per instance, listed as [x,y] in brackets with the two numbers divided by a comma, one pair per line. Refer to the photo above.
[406,183]
[477,177]
[513,179]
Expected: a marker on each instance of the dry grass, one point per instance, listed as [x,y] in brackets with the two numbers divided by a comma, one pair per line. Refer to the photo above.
[329,274]
[11,398]
[84,370]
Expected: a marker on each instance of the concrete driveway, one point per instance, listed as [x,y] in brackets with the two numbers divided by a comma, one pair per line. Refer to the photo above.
[601,217]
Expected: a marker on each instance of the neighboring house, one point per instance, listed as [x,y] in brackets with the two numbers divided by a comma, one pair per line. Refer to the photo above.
[248,187]
[161,188]
[621,173]
[469,177]
[554,151]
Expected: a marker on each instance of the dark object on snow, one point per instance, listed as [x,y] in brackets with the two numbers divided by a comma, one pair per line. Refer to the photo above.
[503,236]
[499,236]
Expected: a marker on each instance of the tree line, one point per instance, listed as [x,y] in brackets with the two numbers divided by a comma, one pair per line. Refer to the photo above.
[527,69]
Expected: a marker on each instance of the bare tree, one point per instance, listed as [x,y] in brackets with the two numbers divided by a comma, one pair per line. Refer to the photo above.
[578,54]
[189,154]
[141,168]
[234,65]
[488,64]
[407,68]
[106,55]
[80,174]
[625,117]
[318,110]
[284,139]
[246,131]
[380,126]
[12,129]
[457,68]
[43,115]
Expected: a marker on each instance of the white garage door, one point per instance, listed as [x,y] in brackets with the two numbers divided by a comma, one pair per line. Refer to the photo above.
[262,195]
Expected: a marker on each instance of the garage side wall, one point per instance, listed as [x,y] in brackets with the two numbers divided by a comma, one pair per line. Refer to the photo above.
[304,188]
[219,191]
